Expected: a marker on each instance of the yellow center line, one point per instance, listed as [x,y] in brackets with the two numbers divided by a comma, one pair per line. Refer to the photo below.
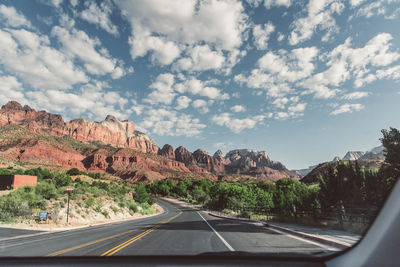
[88,244]
[135,238]
[104,239]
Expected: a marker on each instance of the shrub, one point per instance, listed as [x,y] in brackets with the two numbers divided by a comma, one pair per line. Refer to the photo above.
[46,190]
[61,179]
[90,202]
[132,206]
[73,171]
[141,195]
[105,214]
[114,209]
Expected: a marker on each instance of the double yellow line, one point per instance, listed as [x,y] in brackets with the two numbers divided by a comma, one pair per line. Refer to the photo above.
[133,239]
[119,247]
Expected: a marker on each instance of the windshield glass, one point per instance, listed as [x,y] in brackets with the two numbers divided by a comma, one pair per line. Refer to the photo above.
[188,127]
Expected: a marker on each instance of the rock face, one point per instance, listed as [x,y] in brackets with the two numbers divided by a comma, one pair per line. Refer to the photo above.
[127,164]
[167,151]
[353,155]
[111,131]
[115,147]
[239,161]
[372,158]
[375,153]
[184,155]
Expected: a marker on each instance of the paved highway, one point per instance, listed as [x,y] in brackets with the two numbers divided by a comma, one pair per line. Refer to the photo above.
[177,231]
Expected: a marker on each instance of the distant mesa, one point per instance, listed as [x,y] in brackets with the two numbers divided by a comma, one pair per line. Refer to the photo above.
[111,131]
[121,150]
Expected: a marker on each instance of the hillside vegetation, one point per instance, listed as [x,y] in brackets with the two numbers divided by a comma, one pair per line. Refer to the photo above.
[98,198]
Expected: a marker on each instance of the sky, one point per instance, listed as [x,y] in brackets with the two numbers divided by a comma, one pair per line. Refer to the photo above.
[304,81]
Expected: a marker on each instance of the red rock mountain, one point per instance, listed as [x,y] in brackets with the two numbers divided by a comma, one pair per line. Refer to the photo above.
[109,132]
[113,146]
[167,151]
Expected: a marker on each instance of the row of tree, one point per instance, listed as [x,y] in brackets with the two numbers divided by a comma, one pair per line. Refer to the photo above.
[343,188]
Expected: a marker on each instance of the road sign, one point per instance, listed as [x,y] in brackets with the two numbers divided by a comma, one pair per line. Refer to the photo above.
[43,215]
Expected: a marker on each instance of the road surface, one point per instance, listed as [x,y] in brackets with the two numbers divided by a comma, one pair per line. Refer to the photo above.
[178,231]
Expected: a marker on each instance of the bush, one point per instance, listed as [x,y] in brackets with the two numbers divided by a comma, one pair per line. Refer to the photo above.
[46,190]
[11,207]
[73,171]
[141,195]
[105,214]
[90,202]
[132,206]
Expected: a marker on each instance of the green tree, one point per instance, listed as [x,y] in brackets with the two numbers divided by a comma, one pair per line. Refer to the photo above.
[141,194]
[73,171]
[391,167]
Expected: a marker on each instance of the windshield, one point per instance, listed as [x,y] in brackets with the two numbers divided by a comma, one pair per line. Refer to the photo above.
[195,127]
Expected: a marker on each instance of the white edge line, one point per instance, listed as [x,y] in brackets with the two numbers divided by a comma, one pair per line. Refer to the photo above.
[305,240]
[220,237]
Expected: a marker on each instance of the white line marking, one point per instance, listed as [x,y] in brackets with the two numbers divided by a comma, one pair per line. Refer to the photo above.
[305,240]
[220,237]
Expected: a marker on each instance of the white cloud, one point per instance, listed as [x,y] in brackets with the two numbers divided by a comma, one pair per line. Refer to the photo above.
[30,57]
[201,105]
[166,122]
[345,62]
[347,108]
[320,15]
[387,8]
[237,125]
[281,36]
[78,44]
[355,95]
[238,108]
[389,73]
[163,91]
[290,106]
[297,65]
[198,87]
[355,3]
[201,58]
[280,102]
[277,70]
[261,35]
[270,3]
[163,51]
[183,102]
[13,18]
[165,28]
[297,108]
[100,15]
[90,100]
[74,3]
[10,89]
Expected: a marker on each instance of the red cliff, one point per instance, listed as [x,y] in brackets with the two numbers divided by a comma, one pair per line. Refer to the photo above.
[111,131]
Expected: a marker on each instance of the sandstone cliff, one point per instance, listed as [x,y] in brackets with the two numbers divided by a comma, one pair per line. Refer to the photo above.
[111,131]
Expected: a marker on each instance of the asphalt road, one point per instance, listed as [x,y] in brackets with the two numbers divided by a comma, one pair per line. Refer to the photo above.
[177,231]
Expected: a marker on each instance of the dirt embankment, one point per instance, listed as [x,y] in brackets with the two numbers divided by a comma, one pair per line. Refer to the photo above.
[80,218]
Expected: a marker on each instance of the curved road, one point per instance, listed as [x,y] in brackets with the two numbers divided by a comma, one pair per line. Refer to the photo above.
[177,231]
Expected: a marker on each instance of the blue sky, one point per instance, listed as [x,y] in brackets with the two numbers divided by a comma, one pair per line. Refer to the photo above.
[303,80]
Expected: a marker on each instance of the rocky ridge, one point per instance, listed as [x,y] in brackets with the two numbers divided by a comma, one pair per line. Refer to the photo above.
[377,153]
[239,161]
[111,131]
[115,147]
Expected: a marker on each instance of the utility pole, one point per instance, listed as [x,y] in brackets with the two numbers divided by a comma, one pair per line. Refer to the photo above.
[69,190]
